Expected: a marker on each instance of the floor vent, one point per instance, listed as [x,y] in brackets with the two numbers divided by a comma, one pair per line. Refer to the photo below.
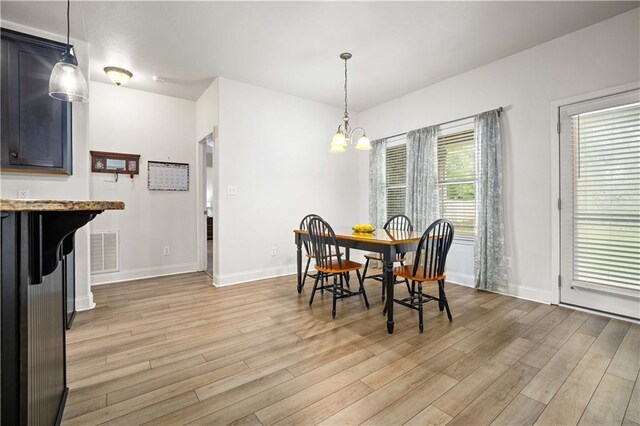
[104,252]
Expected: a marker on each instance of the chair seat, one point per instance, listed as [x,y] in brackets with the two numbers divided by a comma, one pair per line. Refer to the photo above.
[378,256]
[347,266]
[407,272]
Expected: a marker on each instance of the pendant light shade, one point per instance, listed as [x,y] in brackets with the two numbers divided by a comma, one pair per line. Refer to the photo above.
[67,82]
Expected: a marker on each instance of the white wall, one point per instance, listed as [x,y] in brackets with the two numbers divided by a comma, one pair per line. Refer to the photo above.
[601,56]
[159,128]
[274,148]
[207,111]
[74,187]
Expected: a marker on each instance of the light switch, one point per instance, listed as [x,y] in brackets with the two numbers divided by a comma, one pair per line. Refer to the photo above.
[232,190]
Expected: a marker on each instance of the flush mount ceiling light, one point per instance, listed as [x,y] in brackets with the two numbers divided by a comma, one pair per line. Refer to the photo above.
[344,135]
[119,76]
[67,82]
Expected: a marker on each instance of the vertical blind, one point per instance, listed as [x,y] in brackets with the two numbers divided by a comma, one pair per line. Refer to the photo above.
[606,197]
[396,179]
[457,181]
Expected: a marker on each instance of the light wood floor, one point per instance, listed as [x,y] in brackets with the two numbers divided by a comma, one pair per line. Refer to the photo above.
[176,350]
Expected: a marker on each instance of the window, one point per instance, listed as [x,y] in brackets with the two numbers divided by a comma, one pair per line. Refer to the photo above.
[396,178]
[457,181]
[456,176]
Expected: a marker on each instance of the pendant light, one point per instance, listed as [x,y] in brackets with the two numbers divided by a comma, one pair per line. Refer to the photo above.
[345,133]
[67,82]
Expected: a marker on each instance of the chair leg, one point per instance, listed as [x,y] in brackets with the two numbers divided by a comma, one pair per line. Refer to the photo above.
[364,272]
[335,290]
[315,287]
[420,312]
[306,272]
[362,290]
[443,297]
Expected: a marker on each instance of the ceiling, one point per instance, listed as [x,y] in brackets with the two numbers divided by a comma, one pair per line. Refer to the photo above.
[294,47]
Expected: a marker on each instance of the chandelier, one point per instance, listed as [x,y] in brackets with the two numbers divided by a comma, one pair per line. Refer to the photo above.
[345,134]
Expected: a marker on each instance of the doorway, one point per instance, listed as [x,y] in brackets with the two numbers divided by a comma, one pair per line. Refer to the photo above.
[600,204]
[207,200]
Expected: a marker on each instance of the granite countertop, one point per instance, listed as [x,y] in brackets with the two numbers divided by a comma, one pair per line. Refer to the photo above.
[7,205]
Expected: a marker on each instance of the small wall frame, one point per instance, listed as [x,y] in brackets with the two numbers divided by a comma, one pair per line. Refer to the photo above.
[115,162]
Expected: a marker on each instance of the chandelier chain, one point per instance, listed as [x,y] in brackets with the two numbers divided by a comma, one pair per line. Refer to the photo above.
[346,113]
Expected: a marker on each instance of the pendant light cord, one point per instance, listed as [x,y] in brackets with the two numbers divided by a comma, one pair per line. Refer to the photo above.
[68,6]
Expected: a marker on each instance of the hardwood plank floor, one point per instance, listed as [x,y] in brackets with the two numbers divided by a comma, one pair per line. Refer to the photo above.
[176,350]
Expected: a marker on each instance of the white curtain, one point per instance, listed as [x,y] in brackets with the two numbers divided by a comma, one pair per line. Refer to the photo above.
[378,183]
[422,202]
[489,260]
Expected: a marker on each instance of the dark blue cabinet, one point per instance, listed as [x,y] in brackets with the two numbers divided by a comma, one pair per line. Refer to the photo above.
[36,129]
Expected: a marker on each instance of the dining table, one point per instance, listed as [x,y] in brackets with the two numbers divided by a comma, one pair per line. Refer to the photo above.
[387,242]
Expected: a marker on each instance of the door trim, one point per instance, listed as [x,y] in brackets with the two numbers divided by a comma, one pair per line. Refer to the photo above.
[554,157]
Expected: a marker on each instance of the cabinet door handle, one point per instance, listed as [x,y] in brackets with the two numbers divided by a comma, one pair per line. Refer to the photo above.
[14,154]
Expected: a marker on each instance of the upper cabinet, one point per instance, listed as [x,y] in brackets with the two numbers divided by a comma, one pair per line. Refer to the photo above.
[36,129]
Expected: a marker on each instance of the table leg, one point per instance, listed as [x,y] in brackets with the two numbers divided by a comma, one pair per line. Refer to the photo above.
[299,262]
[387,276]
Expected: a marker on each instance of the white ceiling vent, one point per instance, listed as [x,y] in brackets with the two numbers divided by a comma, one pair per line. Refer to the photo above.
[104,252]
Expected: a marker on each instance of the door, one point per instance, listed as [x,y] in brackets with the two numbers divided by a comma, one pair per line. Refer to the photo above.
[600,204]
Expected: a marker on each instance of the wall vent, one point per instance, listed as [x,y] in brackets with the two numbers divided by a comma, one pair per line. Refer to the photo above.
[104,252]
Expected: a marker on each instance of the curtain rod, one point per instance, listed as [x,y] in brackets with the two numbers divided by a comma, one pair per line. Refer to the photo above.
[499,109]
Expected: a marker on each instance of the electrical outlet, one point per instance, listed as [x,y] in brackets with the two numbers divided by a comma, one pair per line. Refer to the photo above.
[274,251]
[232,190]
[167,251]
[23,194]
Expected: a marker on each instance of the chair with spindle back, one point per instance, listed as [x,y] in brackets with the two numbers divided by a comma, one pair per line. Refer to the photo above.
[329,263]
[398,222]
[304,226]
[428,266]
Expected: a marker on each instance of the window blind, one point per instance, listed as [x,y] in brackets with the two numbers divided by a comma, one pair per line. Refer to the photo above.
[457,181]
[396,179]
[606,197]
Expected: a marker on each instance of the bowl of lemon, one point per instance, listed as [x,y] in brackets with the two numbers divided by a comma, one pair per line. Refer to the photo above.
[365,228]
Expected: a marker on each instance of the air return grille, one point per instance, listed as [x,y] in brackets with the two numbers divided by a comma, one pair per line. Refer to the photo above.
[104,252]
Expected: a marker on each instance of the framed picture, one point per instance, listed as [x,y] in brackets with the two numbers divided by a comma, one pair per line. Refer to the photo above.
[114,162]
[165,176]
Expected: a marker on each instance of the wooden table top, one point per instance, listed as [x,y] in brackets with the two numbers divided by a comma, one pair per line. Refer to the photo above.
[379,236]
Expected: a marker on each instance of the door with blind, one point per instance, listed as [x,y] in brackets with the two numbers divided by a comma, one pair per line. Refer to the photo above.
[600,204]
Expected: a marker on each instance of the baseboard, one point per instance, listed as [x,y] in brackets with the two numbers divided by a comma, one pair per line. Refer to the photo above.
[85,303]
[461,279]
[256,274]
[513,290]
[138,274]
